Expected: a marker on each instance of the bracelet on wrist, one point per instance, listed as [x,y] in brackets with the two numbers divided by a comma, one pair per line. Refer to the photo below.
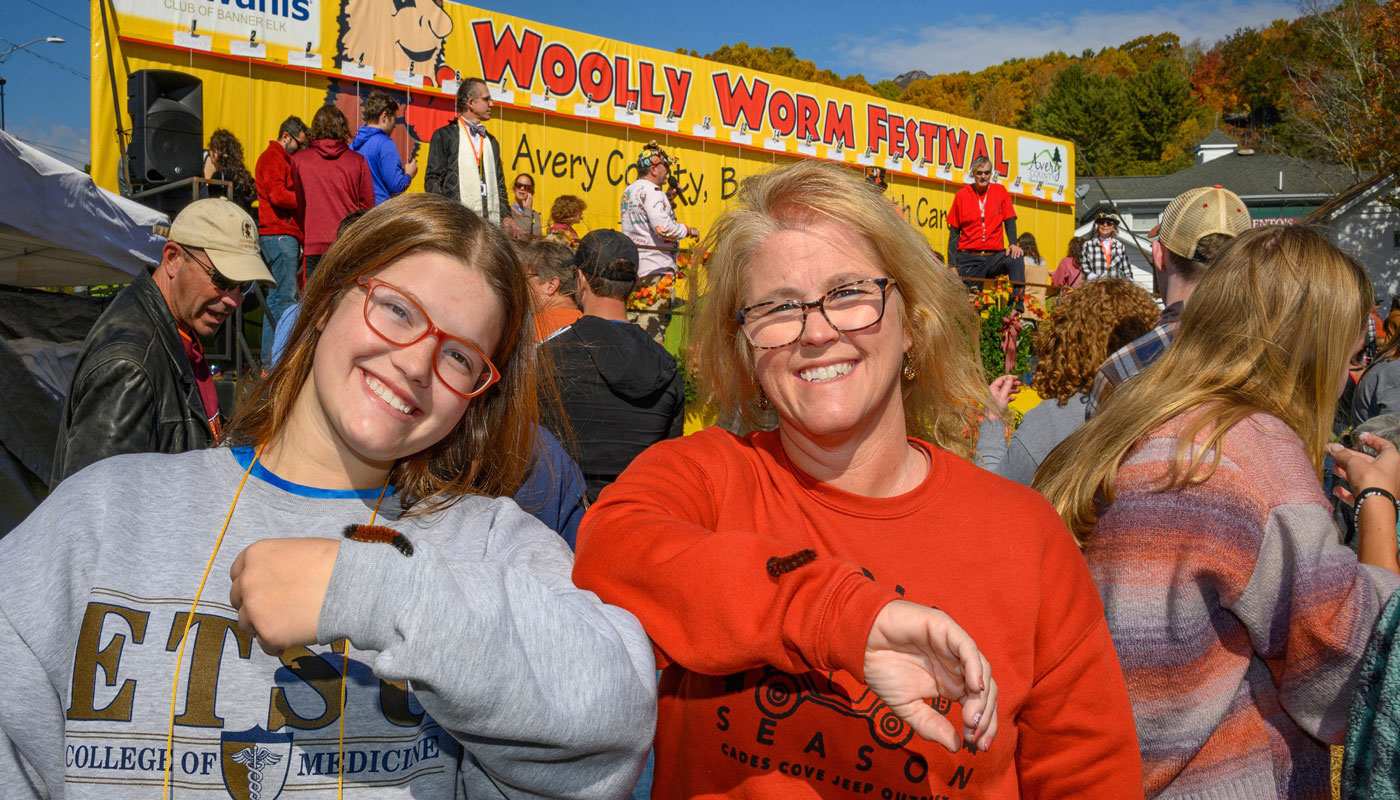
[1361,498]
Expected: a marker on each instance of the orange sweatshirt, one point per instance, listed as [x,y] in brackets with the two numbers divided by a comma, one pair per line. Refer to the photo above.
[762,695]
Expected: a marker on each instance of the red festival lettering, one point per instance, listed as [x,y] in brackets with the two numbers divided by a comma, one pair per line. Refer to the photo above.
[840,125]
[678,85]
[740,98]
[507,52]
[876,126]
[594,74]
[650,101]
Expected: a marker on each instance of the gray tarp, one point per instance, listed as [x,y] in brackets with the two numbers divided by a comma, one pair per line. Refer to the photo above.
[58,228]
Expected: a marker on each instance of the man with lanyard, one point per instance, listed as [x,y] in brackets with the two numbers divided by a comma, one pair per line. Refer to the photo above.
[1104,256]
[464,159]
[976,221]
[141,383]
[649,220]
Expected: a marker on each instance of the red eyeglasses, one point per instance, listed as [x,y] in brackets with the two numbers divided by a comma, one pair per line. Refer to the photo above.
[392,314]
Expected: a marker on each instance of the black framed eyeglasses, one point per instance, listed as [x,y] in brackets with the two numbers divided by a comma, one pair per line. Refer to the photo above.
[221,283]
[849,307]
[528,187]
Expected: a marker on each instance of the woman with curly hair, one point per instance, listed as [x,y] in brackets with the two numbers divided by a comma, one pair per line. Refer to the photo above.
[566,212]
[223,161]
[1086,325]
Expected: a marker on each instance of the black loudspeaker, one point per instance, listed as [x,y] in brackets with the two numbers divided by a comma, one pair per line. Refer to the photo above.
[167,121]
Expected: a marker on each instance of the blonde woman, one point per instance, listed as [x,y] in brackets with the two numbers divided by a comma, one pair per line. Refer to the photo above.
[786,576]
[1085,326]
[1239,618]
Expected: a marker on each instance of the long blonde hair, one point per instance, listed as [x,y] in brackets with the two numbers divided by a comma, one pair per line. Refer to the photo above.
[949,387]
[1269,330]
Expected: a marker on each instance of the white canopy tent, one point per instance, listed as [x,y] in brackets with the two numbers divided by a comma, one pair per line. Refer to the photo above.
[58,228]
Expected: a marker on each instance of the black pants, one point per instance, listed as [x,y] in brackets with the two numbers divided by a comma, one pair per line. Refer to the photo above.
[989,264]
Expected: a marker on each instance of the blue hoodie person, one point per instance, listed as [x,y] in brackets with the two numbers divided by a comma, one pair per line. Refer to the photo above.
[386,168]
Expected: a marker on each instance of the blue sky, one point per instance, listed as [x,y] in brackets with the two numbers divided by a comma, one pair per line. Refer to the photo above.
[46,102]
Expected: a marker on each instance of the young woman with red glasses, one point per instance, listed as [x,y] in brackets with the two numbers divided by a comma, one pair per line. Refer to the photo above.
[416,637]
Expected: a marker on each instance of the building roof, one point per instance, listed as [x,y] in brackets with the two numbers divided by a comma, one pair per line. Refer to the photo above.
[1254,177]
[1324,213]
[1217,137]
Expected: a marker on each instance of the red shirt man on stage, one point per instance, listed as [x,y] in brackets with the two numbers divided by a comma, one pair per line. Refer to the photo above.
[981,213]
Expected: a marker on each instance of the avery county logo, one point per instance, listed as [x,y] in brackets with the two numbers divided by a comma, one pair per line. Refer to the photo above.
[1042,162]
[255,763]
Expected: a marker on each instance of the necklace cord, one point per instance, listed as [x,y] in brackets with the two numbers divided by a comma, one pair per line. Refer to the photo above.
[189,619]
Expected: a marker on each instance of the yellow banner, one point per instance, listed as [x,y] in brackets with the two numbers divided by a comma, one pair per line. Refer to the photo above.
[572,110]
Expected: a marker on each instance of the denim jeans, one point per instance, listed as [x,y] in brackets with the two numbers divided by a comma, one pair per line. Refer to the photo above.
[283,257]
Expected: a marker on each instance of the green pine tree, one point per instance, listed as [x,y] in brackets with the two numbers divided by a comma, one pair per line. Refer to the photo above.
[1093,112]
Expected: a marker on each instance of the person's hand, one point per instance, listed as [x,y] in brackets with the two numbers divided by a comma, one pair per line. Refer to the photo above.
[411,168]
[1002,390]
[1015,251]
[915,654]
[278,588]
[1361,471]
[693,231]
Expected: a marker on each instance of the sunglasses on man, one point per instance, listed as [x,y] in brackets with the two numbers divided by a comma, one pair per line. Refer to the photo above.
[221,283]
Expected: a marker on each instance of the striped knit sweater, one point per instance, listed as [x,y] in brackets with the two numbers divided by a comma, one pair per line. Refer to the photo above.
[1239,619]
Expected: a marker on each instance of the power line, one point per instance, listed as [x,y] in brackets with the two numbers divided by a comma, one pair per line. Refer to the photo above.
[54,151]
[61,66]
[48,146]
[69,20]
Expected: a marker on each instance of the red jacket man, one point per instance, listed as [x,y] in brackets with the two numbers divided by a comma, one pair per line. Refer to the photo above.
[279,235]
[976,221]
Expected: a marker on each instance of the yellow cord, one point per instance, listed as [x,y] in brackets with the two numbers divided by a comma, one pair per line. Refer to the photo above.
[345,670]
[180,655]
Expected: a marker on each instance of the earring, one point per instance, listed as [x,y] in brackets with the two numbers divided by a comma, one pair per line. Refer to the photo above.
[909,371]
[764,404]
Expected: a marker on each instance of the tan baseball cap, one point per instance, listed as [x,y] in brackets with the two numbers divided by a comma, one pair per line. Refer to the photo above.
[224,231]
[1198,213]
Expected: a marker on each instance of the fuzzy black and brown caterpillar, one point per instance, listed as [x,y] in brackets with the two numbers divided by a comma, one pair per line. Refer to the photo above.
[379,533]
[781,565]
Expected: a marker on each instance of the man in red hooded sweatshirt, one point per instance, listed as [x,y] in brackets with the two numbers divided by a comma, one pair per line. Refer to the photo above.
[331,181]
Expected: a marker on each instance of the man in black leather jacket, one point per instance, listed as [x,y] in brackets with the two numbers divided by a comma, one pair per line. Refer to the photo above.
[141,384]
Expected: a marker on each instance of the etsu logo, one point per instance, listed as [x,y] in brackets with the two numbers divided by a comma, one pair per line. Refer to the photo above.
[255,763]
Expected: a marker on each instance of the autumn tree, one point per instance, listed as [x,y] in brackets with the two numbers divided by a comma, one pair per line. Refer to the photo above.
[1348,103]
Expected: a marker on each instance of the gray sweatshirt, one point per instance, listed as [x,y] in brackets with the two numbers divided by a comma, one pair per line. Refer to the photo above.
[1041,430]
[476,668]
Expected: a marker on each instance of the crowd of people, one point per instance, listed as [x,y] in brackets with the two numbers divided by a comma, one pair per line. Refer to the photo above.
[459,521]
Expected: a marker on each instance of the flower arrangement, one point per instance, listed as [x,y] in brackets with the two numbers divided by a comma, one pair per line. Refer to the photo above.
[1005,348]
[649,298]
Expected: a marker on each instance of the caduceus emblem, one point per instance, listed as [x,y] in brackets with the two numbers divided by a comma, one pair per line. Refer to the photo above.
[255,759]
[255,763]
